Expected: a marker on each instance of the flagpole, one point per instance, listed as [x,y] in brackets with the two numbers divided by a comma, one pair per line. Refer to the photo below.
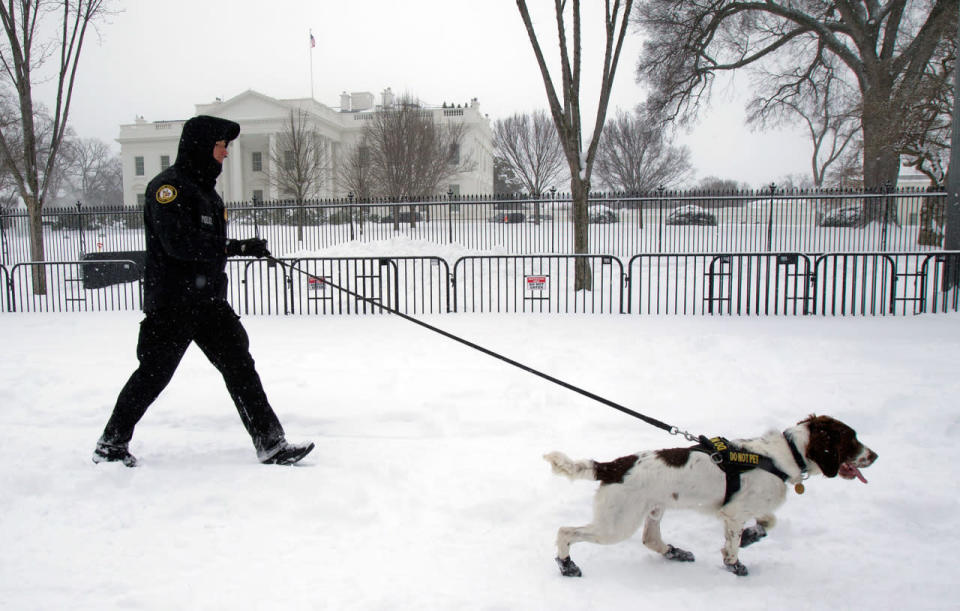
[312,44]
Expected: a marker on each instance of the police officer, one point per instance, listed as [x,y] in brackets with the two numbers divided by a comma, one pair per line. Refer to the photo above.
[184,292]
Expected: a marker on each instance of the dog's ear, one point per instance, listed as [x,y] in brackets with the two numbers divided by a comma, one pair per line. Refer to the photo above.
[831,443]
[822,448]
[822,451]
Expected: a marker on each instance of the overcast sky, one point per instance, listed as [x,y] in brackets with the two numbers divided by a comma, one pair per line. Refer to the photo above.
[159,58]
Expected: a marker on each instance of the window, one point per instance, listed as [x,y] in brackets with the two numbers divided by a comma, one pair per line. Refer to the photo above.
[288,160]
[454,154]
[257,161]
[138,166]
[257,196]
[164,162]
[141,199]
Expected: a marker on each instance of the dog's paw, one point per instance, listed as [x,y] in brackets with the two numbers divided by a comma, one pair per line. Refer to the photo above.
[680,555]
[737,569]
[752,535]
[568,568]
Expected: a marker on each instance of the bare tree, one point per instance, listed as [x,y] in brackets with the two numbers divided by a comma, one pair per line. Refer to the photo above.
[827,110]
[635,157]
[884,45]
[715,184]
[847,171]
[21,54]
[530,146]
[298,162]
[355,175]
[927,141]
[566,115]
[505,180]
[14,163]
[355,172]
[93,172]
[411,153]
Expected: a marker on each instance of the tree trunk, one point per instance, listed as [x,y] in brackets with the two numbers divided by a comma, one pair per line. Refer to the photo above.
[583,279]
[300,220]
[881,161]
[38,272]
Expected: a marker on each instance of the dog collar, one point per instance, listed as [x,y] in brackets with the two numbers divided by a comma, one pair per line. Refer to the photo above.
[798,457]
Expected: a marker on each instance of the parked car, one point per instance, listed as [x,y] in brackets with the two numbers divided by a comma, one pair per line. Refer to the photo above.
[508,216]
[844,216]
[691,214]
[533,218]
[602,214]
[784,210]
[765,210]
[403,217]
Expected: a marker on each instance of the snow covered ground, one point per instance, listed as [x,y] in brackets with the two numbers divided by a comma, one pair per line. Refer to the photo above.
[427,489]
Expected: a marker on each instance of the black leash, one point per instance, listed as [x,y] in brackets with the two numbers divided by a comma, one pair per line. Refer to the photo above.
[652,421]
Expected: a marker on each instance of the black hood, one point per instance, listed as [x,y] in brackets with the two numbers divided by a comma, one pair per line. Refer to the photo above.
[195,154]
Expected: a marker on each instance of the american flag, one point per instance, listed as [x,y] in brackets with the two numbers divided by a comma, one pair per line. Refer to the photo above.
[313,42]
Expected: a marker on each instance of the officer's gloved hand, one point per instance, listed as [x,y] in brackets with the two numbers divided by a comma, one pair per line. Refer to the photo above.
[251,247]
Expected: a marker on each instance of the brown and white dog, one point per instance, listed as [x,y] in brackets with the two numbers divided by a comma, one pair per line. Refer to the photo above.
[639,488]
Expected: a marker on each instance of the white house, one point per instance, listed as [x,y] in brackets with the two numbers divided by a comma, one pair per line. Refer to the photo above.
[148,147]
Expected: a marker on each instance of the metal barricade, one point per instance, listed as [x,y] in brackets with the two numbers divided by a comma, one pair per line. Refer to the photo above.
[6,302]
[64,291]
[538,283]
[851,284]
[941,276]
[881,284]
[768,284]
[411,285]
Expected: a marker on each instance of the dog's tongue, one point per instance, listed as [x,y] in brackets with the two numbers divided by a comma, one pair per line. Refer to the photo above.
[852,470]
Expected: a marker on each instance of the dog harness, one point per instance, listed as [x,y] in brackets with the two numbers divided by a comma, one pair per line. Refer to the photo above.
[734,461]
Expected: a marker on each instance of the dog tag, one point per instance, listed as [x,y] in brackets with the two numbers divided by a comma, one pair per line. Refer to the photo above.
[799,488]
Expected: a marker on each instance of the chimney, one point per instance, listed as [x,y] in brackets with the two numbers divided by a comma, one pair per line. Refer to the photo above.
[361,100]
[344,102]
[387,97]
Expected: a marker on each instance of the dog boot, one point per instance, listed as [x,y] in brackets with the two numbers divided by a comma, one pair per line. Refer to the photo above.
[751,535]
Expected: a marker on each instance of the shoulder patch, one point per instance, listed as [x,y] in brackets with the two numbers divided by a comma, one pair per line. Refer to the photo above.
[166,194]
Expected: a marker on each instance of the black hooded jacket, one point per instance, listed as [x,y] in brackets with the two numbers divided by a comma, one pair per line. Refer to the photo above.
[185,221]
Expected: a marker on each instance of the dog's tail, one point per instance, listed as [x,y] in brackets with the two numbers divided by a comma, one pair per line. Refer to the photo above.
[574,469]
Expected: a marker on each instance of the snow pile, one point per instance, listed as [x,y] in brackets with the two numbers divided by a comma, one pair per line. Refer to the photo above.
[427,489]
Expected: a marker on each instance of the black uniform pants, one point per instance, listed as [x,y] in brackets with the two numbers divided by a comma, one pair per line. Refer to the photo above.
[165,336]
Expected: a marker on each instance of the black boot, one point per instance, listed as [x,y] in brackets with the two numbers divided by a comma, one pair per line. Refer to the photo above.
[108,452]
[284,453]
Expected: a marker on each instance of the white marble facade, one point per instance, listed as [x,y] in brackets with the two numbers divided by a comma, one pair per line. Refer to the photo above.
[145,146]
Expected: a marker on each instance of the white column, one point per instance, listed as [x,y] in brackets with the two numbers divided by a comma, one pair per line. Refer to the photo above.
[328,168]
[268,161]
[235,191]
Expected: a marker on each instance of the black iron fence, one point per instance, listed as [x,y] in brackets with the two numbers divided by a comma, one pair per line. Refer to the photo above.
[623,226]
[770,284]
[741,284]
